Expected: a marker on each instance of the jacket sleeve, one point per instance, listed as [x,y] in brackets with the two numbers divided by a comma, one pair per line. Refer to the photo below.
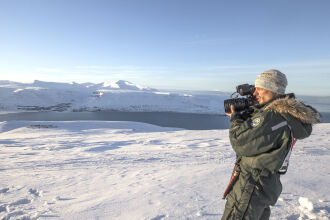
[256,135]
[300,130]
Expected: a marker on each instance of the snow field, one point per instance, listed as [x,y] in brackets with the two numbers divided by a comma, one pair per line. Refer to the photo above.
[129,170]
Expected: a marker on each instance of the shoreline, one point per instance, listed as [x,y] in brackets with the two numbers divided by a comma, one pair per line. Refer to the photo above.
[190,121]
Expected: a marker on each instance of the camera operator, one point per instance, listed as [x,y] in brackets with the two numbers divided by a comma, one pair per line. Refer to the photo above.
[263,143]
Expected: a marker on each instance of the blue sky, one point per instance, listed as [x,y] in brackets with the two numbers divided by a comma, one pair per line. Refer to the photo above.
[167,44]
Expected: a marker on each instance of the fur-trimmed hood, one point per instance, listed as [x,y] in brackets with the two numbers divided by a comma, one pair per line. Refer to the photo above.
[304,113]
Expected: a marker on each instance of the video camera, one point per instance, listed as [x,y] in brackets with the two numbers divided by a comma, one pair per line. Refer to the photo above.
[241,105]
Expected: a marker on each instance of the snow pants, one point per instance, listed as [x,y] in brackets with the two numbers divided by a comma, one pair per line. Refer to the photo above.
[252,195]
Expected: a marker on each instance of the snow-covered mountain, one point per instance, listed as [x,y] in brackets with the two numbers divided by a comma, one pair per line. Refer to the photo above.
[121,95]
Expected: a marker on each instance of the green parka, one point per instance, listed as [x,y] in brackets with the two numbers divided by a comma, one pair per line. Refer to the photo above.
[261,144]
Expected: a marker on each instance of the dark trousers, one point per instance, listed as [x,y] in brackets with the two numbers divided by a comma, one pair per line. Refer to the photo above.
[255,210]
[251,197]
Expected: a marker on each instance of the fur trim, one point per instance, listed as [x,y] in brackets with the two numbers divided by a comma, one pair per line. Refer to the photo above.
[304,113]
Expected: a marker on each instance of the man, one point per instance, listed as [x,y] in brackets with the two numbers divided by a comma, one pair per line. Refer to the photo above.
[262,144]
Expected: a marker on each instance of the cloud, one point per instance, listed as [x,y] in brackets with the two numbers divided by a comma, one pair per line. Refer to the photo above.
[300,64]
[92,67]
[49,70]
[131,71]
[95,73]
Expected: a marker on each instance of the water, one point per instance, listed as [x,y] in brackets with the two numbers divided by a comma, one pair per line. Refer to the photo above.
[189,121]
[165,119]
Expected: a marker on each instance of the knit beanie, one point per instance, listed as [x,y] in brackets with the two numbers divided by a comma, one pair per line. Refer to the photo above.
[272,80]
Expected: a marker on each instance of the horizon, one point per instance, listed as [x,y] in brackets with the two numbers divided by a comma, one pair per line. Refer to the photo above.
[172,45]
[161,89]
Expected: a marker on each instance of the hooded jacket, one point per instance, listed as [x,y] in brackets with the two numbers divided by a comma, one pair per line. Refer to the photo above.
[261,144]
[264,140]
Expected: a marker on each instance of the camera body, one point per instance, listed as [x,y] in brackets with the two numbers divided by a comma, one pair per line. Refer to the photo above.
[241,105]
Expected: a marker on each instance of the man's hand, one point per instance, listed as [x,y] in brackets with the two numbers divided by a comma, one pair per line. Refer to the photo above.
[232,109]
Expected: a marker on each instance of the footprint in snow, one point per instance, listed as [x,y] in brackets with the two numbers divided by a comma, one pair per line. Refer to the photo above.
[159,217]
[21,202]
[35,192]
[4,190]
[58,198]
[4,208]
[15,214]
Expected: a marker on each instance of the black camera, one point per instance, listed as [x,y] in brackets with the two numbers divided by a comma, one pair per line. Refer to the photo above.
[241,105]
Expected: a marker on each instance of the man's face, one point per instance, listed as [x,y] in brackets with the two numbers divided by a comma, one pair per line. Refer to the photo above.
[264,95]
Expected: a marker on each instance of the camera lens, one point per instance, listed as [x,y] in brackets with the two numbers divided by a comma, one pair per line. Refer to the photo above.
[239,104]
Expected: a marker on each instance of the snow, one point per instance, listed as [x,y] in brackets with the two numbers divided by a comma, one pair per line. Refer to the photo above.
[306,204]
[121,95]
[130,170]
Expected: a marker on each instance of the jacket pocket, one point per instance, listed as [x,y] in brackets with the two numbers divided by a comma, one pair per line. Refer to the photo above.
[269,188]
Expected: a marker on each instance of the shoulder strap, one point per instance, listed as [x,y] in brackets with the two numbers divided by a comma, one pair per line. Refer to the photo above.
[285,164]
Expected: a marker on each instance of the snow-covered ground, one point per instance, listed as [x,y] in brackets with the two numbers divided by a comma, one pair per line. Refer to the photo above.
[128,170]
[121,95]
